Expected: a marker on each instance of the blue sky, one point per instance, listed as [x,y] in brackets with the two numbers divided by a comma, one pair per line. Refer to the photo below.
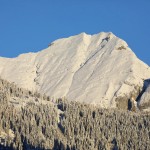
[30,25]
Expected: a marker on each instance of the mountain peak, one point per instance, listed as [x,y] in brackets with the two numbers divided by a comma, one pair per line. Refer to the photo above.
[99,69]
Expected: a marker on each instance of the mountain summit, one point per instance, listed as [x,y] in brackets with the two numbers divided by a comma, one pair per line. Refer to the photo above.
[100,69]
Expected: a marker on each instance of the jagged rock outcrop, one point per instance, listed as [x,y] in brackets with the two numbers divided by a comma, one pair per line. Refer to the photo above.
[100,69]
[144,101]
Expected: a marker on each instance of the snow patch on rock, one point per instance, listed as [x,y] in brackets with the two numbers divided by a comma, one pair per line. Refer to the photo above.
[144,102]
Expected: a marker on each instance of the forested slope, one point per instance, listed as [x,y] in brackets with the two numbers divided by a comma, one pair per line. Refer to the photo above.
[61,125]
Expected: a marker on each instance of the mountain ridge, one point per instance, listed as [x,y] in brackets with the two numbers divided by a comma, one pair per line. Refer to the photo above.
[95,69]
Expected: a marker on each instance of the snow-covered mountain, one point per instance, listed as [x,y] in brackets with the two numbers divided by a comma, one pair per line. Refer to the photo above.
[99,69]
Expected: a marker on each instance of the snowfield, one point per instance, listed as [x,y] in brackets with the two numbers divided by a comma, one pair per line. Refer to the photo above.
[93,69]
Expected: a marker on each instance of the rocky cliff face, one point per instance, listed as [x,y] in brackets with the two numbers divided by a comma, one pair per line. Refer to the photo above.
[144,101]
[100,69]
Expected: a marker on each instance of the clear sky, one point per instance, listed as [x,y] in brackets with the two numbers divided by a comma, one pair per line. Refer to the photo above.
[30,25]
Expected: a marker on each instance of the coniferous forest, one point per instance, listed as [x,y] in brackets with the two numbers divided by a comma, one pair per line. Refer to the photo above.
[32,121]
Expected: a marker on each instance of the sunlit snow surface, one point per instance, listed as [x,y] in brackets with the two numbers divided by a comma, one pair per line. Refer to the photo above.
[87,68]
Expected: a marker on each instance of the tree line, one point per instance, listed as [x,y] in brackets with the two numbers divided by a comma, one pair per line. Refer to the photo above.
[64,125]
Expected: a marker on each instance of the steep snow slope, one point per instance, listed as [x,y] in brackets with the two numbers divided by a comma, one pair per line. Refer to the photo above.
[87,68]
